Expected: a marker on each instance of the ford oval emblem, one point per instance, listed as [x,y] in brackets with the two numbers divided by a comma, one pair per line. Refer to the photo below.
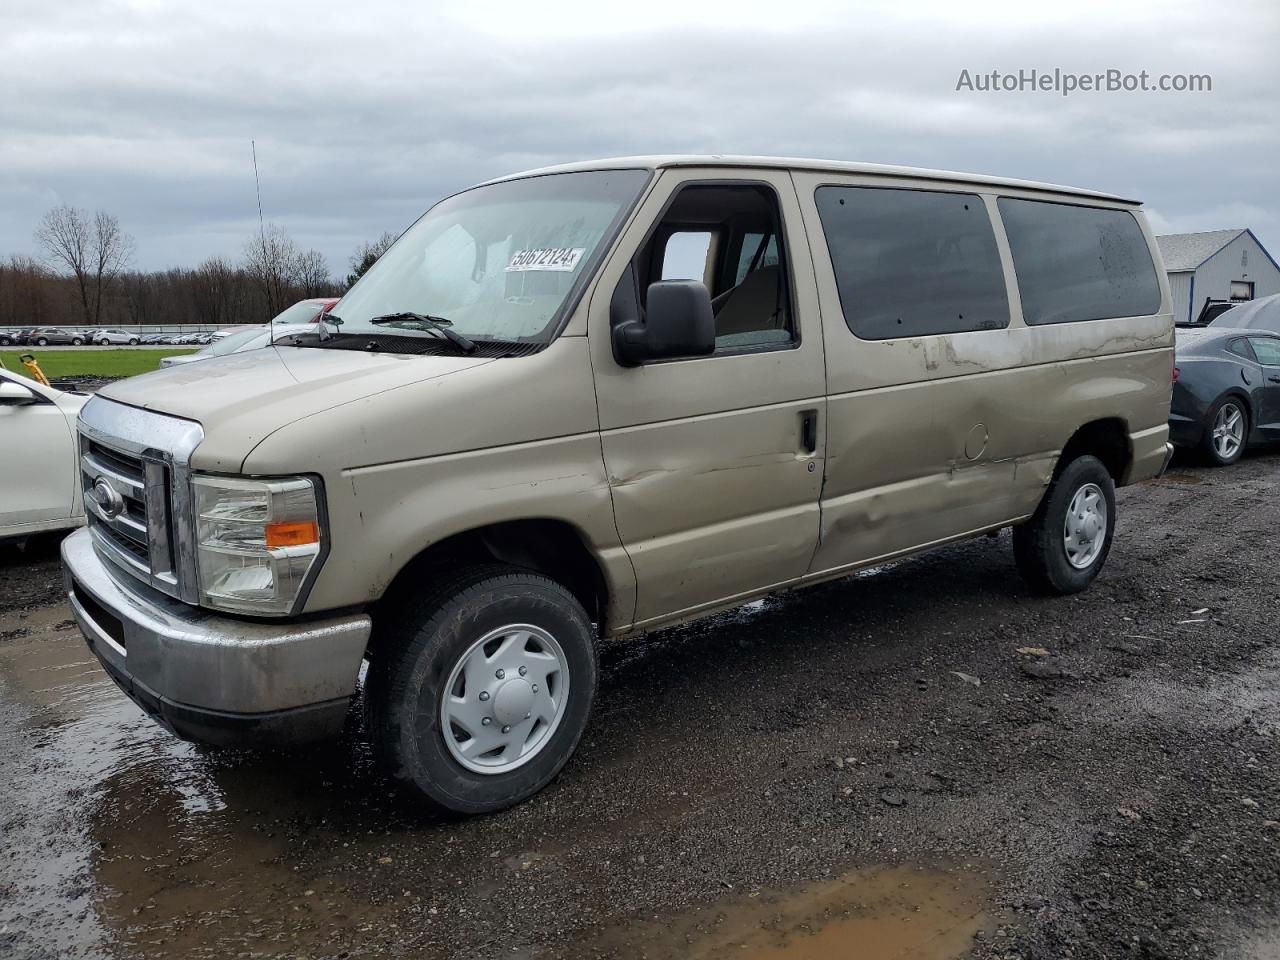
[107,498]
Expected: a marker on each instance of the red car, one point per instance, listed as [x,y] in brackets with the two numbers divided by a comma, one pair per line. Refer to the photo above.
[304,311]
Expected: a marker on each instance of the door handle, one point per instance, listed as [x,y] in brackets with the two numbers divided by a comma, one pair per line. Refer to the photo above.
[1274,379]
[809,431]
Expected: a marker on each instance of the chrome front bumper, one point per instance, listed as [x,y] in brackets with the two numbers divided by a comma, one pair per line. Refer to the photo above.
[210,678]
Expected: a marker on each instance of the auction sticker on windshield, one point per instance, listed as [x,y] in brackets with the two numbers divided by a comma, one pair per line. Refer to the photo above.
[549,258]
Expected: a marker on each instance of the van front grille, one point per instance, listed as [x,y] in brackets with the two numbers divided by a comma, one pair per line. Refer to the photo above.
[125,498]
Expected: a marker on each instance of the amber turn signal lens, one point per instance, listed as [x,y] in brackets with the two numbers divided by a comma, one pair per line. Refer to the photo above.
[292,534]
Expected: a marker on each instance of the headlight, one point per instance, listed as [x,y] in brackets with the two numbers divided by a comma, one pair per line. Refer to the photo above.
[256,541]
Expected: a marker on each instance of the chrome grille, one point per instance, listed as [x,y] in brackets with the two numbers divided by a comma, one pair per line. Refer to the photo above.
[115,502]
[135,481]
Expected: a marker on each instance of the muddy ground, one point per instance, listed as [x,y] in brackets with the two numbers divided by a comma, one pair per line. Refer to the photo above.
[925,762]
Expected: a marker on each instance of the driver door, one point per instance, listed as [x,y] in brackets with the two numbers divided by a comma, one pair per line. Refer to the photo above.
[715,463]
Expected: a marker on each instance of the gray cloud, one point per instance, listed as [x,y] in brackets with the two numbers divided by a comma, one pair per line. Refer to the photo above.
[364,117]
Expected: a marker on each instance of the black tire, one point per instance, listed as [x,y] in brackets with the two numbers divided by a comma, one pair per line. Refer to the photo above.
[104,342]
[133,342]
[424,638]
[77,342]
[1208,450]
[1039,544]
[6,342]
[42,342]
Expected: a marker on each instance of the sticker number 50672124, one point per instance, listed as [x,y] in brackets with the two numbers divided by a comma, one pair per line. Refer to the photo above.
[548,258]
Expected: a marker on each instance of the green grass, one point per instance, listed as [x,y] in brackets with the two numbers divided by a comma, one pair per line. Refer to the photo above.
[88,363]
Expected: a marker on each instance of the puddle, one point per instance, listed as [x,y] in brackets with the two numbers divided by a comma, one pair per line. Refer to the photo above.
[115,834]
[884,913]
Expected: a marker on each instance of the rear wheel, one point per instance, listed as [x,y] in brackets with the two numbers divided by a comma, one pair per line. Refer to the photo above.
[478,692]
[1226,429]
[41,342]
[1064,545]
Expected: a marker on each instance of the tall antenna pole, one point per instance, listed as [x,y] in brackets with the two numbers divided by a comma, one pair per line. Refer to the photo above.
[262,239]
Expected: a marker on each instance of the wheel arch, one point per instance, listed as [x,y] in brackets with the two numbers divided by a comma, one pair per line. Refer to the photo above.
[551,546]
[1107,439]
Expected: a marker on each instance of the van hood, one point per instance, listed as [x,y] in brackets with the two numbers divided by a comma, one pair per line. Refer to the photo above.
[241,398]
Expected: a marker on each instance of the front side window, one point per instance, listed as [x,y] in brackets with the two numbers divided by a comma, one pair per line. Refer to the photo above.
[1079,263]
[1267,350]
[912,263]
[498,261]
[705,234]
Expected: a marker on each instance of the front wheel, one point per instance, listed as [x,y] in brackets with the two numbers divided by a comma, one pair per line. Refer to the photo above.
[76,342]
[1066,542]
[42,342]
[132,343]
[478,692]
[1226,430]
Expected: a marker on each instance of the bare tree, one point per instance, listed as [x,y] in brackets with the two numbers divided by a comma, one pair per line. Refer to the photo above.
[67,237]
[311,273]
[93,250]
[112,251]
[216,292]
[367,255]
[271,258]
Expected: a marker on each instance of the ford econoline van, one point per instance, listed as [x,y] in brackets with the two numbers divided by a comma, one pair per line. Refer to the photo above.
[598,399]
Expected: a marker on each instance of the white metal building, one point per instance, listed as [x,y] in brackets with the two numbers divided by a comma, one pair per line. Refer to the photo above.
[1216,265]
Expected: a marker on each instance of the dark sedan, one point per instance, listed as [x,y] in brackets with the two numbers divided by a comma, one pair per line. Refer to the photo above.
[1226,391]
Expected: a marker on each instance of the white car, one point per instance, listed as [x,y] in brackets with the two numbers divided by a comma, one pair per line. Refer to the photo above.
[111,335]
[252,338]
[40,478]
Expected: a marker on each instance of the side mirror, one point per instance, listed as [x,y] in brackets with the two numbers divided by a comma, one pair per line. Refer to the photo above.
[679,321]
[15,394]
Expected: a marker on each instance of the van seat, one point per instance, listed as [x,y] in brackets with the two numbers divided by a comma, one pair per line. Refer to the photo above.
[754,304]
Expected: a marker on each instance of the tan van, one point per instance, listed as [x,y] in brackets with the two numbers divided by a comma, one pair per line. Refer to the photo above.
[599,399]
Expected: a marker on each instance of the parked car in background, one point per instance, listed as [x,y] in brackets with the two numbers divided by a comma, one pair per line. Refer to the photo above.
[46,336]
[305,311]
[41,489]
[254,338]
[112,335]
[1260,314]
[1226,391]
[649,391]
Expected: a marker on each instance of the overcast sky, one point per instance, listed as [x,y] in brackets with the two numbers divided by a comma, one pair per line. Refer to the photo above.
[366,114]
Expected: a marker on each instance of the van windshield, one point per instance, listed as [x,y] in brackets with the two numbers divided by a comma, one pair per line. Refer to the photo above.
[497,262]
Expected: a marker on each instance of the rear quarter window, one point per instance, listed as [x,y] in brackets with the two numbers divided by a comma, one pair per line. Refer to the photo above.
[1078,263]
[912,263]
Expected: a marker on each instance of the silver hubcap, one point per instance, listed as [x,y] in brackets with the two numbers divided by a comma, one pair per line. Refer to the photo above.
[1086,528]
[1228,431]
[505,697]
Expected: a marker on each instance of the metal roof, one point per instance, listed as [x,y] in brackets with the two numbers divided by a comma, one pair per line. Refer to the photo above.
[1186,251]
[794,163]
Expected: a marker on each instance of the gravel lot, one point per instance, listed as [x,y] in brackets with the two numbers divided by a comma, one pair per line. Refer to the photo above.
[925,762]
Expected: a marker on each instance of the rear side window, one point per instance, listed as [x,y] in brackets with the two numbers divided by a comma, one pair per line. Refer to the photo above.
[912,263]
[1241,348]
[1079,263]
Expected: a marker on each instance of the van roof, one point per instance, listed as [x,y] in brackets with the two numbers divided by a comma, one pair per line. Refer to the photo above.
[794,163]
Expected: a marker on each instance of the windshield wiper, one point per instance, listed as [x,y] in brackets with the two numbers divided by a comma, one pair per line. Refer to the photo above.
[437,324]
